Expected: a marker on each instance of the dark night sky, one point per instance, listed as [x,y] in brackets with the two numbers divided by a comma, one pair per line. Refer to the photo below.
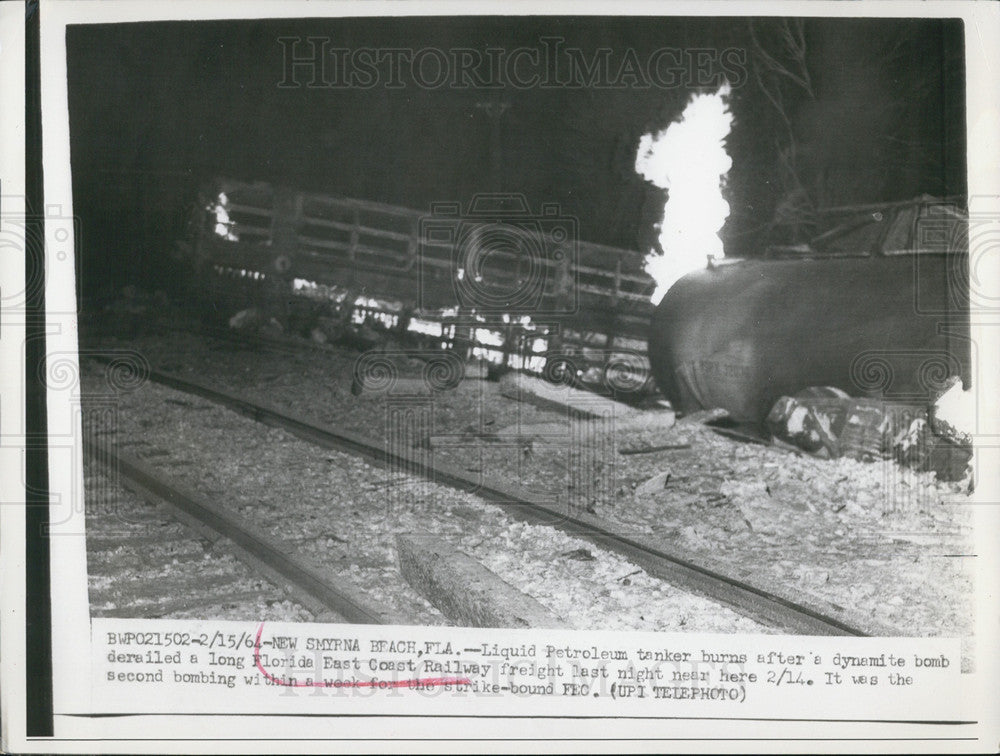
[157,107]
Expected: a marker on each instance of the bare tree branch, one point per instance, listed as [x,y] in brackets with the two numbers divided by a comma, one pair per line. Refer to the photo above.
[796,50]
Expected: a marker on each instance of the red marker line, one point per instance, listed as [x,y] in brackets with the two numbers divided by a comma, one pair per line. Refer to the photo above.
[426,681]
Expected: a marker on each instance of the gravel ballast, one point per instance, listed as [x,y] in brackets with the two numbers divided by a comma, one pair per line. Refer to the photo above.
[887,542]
[343,515]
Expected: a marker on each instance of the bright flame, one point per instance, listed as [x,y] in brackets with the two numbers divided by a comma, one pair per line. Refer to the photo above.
[488,337]
[224,226]
[689,159]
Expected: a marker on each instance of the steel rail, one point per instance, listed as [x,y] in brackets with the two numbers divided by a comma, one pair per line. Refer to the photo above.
[263,553]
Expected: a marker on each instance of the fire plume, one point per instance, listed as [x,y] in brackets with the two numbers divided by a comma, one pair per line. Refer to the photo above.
[689,160]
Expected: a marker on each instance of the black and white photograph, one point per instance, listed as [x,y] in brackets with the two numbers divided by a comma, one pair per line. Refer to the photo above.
[627,324]
[428,306]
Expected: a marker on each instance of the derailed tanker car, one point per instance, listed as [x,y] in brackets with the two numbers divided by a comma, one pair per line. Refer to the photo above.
[876,307]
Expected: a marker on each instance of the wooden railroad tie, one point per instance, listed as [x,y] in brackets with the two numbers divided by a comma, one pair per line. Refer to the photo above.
[465,591]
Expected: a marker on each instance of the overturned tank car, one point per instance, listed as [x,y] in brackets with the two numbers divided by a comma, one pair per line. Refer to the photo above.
[878,307]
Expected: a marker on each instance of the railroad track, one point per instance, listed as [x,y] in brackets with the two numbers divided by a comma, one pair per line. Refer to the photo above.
[144,560]
[681,569]
[264,555]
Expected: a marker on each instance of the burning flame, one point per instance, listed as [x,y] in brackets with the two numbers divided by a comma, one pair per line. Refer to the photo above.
[224,226]
[689,159]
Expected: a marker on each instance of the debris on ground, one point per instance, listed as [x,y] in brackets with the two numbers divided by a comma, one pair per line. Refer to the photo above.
[829,424]
[525,388]
[580,555]
[649,449]
[254,319]
[654,485]
[702,417]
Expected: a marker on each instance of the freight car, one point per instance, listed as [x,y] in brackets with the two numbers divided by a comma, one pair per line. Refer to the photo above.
[515,285]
